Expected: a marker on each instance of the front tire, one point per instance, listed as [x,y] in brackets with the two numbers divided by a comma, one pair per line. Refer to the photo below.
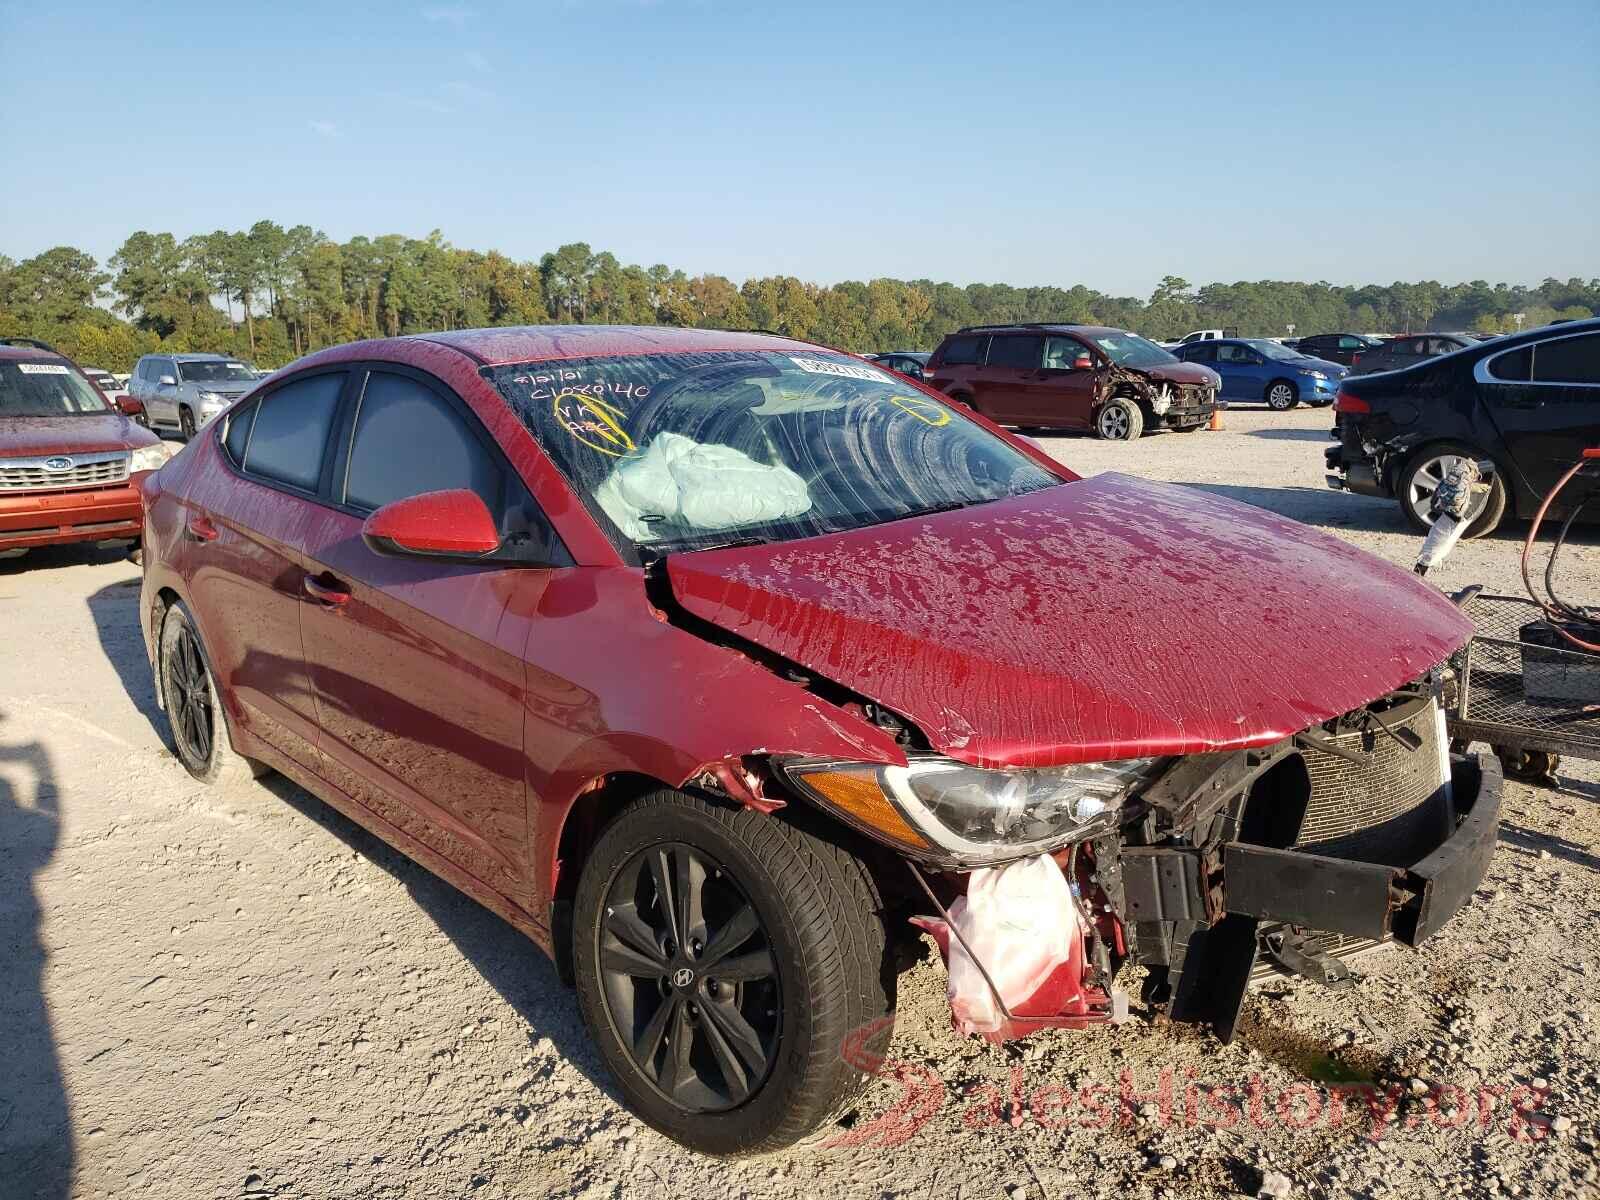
[186,423]
[1282,395]
[722,957]
[194,705]
[1119,420]
[1421,477]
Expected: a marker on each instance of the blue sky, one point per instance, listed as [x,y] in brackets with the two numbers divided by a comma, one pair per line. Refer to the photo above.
[1104,144]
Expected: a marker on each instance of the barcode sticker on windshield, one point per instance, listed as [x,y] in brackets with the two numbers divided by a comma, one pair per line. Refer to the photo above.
[42,369]
[235,366]
[848,370]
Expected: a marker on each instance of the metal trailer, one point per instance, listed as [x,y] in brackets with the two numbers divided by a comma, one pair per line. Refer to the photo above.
[1530,699]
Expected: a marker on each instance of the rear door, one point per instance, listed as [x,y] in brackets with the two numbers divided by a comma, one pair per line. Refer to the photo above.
[1011,380]
[1545,399]
[417,664]
[245,530]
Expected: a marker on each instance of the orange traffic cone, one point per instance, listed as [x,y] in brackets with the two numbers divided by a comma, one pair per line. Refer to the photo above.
[1216,418]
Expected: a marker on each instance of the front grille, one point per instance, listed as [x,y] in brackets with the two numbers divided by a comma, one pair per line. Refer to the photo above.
[83,471]
[1393,800]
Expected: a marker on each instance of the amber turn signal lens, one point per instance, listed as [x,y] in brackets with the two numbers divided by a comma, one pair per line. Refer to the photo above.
[856,794]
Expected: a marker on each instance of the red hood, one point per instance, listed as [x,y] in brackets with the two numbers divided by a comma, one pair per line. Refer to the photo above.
[1109,618]
[30,437]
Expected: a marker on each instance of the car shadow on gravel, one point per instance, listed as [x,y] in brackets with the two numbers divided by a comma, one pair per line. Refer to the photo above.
[45,558]
[1534,843]
[1293,435]
[1316,506]
[511,964]
[115,611]
[36,1151]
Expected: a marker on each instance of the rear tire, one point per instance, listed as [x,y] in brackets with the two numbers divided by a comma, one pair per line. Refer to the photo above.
[794,921]
[194,706]
[1421,475]
[1119,420]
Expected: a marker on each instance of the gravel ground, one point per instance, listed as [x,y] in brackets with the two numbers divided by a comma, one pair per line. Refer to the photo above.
[247,995]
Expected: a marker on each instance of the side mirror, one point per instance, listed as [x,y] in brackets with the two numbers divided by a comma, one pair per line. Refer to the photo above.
[1083,362]
[448,524]
[167,381]
[129,407]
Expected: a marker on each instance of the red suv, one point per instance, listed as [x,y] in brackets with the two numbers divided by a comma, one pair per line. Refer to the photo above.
[709,659]
[1084,377]
[70,462]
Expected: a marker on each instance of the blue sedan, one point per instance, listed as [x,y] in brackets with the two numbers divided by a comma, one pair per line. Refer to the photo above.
[1254,369]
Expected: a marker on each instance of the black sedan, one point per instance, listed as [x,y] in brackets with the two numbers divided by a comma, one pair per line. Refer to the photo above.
[1408,351]
[1529,403]
[1341,348]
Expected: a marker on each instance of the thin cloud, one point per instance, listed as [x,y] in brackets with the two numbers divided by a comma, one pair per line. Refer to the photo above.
[325,129]
[475,60]
[447,14]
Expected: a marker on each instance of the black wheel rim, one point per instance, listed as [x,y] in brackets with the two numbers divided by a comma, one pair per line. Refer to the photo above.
[189,698]
[689,978]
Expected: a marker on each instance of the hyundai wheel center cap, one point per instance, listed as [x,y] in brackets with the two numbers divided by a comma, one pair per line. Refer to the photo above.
[682,977]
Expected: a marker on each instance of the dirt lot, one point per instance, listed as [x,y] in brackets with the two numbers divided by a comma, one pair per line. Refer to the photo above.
[246,995]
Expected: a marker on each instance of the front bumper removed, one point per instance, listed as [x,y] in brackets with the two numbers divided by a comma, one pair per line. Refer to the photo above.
[1272,902]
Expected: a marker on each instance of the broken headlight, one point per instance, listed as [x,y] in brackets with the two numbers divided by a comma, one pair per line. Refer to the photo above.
[945,809]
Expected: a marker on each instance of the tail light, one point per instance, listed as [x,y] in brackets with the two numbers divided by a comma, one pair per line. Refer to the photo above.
[1355,358]
[1344,402]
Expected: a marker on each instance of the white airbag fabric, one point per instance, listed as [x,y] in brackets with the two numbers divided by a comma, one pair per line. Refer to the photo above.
[706,487]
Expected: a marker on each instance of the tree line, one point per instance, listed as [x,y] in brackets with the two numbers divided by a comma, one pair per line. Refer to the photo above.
[271,294]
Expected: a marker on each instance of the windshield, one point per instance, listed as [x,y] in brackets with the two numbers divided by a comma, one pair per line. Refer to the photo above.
[1131,350]
[1273,349]
[45,389]
[215,372]
[683,451]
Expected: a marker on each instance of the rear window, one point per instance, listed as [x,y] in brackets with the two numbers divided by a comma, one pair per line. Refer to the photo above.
[47,389]
[1570,360]
[291,431]
[963,351]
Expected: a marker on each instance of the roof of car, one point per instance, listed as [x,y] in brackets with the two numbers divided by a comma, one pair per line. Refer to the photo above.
[31,354]
[535,343]
[1063,326]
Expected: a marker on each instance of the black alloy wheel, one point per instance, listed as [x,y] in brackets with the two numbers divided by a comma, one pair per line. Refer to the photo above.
[688,977]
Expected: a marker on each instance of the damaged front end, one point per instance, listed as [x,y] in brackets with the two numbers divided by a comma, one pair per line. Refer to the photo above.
[1167,403]
[1204,869]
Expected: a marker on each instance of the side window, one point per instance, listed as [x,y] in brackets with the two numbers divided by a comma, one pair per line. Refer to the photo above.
[408,441]
[239,423]
[291,431]
[1230,353]
[1351,343]
[1016,352]
[1569,360]
[1201,352]
[964,351]
[1061,352]
[1513,367]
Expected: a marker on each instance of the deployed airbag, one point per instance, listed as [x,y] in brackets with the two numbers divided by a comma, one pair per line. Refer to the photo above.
[678,481]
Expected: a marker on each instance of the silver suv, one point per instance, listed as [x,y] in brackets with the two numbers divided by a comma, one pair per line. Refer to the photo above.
[184,391]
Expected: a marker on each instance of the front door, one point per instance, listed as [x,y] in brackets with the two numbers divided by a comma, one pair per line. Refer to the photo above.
[1545,400]
[1062,397]
[417,664]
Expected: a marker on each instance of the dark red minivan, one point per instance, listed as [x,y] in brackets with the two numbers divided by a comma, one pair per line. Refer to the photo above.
[712,660]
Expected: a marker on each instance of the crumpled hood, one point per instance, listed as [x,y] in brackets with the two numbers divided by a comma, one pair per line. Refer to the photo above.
[30,437]
[1108,618]
[1185,373]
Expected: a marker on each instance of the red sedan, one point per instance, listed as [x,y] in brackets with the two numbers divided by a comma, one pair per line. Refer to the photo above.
[707,659]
